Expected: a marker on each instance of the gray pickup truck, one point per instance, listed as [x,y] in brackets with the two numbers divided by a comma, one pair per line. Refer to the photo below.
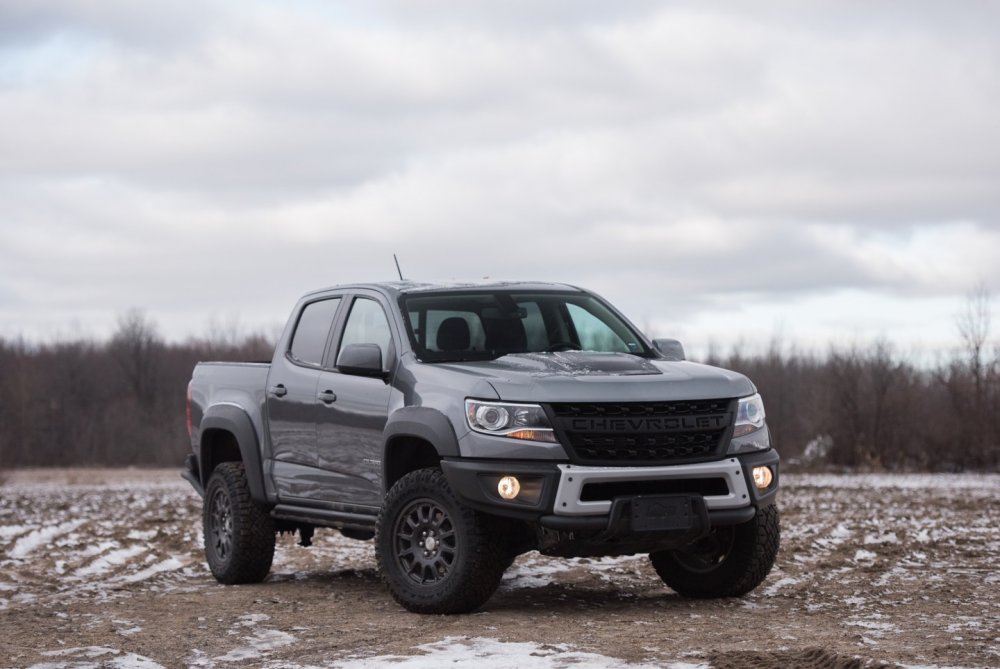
[462,425]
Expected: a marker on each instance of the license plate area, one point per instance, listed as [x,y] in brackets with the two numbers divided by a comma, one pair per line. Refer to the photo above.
[661,513]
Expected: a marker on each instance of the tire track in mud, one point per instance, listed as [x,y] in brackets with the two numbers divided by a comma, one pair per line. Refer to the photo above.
[60,542]
[872,571]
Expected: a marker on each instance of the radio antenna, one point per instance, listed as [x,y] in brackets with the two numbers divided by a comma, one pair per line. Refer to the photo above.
[398,271]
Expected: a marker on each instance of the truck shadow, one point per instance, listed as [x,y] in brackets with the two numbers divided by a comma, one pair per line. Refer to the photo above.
[565,598]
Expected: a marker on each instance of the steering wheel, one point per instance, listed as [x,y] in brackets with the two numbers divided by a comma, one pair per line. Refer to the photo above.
[562,346]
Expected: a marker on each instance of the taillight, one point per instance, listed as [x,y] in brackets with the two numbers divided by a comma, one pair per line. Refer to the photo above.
[189,409]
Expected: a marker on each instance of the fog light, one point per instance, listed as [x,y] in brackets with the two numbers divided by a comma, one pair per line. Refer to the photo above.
[509,487]
[762,477]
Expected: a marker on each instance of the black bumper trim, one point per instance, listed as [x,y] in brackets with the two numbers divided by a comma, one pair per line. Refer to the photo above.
[469,477]
[718,518]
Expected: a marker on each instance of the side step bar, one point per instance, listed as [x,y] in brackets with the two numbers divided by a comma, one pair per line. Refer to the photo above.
[324,517]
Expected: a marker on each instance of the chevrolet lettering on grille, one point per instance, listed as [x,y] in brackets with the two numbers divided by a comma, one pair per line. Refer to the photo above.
[651,424]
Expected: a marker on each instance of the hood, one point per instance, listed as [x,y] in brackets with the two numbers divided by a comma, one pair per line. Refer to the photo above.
[580,376]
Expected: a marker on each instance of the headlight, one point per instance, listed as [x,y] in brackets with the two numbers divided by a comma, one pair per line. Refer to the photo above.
[749,416]
[515,421]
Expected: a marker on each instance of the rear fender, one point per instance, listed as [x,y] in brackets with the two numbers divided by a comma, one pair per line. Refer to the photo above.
[233,419]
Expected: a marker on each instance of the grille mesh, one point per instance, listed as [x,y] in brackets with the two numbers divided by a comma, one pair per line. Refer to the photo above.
[636,433]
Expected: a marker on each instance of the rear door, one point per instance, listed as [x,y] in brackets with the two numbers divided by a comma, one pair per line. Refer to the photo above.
[291,400]
[353,409]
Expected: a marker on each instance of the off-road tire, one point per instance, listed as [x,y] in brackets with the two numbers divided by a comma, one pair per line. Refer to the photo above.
[239,534]
[460,565]
[730,562]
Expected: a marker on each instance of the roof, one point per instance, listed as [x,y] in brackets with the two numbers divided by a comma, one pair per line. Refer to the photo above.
[409,287]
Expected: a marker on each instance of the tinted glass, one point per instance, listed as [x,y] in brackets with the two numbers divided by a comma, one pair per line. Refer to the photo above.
[593,333]
[309,340]
[503,322]
[367,324]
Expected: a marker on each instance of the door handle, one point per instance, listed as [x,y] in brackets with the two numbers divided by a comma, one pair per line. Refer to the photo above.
[327,397]
[279,390]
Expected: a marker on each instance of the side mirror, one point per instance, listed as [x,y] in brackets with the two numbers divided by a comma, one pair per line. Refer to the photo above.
[361,360]
[670,348]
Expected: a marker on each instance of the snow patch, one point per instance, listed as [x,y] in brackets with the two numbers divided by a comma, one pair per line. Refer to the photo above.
[536,571]
[772,589]
[112,559]
[494,654]
[96,549]
[11,531]
[170,564]
[116,661]
[881,538]
[876,629]
[864,556]
[257,646]
[140,535]
[27,544]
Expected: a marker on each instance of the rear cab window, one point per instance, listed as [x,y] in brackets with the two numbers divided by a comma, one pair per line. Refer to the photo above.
[312,331]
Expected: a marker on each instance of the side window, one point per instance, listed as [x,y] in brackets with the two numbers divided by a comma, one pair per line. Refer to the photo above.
[367,324]
[594,333]
[309,340]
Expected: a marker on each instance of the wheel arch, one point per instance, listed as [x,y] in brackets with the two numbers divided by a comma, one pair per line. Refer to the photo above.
[415,438]
[228,435]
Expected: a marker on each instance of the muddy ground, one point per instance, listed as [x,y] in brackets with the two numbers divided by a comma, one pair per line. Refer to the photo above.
[104,568]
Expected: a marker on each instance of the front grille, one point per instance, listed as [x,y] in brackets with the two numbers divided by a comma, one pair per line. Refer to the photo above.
[638,433]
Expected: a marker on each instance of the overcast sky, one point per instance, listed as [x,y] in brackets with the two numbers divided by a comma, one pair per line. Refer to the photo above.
[829,171]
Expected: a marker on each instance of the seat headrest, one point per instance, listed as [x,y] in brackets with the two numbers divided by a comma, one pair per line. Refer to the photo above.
[453,334]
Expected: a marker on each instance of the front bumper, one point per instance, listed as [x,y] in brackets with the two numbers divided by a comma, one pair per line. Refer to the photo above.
[584,498]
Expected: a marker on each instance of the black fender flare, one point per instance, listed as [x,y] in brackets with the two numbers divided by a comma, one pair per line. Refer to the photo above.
[423,423]
[237,422]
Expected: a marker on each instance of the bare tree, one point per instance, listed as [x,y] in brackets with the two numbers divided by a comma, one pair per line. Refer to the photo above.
[973,325]
[974,328]
[134,346]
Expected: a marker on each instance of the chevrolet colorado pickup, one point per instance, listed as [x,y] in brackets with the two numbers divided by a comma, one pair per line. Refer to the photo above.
[462,425]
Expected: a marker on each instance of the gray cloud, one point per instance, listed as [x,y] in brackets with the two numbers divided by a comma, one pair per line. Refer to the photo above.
[202,159]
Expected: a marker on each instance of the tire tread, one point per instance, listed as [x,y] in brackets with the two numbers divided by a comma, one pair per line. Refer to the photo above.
[485,556]
[253,529]
[754,554]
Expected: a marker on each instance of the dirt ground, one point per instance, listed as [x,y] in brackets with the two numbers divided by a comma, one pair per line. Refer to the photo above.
[104,569]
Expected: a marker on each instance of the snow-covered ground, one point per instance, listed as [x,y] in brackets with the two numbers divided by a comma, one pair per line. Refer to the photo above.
[106,571]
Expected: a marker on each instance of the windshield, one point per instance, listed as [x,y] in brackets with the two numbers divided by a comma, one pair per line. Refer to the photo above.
[490,324]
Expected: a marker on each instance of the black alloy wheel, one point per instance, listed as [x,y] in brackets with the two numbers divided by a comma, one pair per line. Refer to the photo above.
[425,542]
[436,554]
[239,532]
[220,523]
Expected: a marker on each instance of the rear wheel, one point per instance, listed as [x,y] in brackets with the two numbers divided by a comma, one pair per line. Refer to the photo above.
[239,534]
[729,562]
[436,554]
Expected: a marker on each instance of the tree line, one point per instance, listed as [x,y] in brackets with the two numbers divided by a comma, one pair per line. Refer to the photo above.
[865,407]
[115,403]
[122,401]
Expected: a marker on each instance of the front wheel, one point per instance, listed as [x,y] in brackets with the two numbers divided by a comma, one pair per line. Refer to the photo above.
[729,562]
[239,534]
[435,554]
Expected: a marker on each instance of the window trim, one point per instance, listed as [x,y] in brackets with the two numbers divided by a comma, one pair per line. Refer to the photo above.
[332,328]
[337,336]
[418,351]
